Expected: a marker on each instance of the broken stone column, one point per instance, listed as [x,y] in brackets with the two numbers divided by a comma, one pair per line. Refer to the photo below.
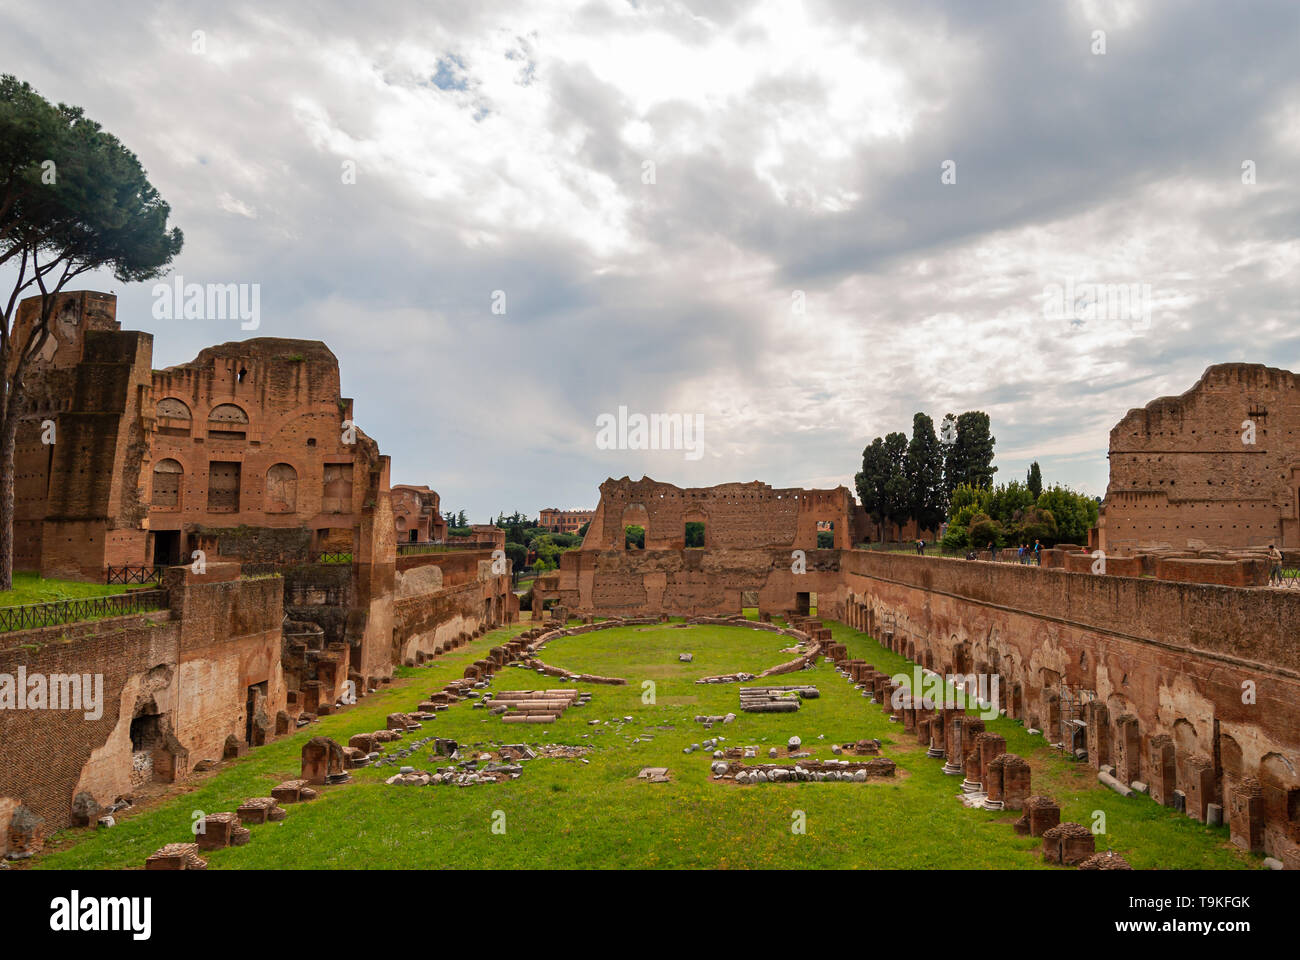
[176,856]
[1162,771]
[1128,751]
[993,783]
[990,746]
[26,833]
[1068,844]
[310,696]
[1041,814]
[365,742]
[971,767]
[923,733]
[1105,861]
[293,791]
[960,736]
[218,831]
[1246,814]
[322,761]
[1198,785]
[257,810]
[1098,735]
[1015,781]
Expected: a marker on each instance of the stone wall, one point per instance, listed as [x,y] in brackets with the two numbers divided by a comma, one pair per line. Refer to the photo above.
[735,515]
[687,582]
[1182,477]
[184,674]
[1190,689]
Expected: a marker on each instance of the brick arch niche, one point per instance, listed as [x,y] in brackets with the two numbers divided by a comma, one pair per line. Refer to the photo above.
[167,483]
[228,421]
[281,488]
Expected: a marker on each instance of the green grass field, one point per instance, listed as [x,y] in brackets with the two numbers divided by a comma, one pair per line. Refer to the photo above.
[32,588]
[566,813]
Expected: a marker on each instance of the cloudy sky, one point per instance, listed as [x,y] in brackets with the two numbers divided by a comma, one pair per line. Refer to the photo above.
[800,221]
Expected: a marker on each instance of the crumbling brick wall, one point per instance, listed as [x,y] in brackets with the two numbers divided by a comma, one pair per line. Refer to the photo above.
[1180,475]
[1167,661]
[192,671]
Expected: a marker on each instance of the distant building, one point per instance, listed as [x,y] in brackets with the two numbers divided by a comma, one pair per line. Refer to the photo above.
[564,521]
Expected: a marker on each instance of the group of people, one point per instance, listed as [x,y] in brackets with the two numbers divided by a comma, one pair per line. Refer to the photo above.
[1027,555]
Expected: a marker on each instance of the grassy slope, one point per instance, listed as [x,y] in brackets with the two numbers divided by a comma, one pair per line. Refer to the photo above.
[30,588]
[564,813]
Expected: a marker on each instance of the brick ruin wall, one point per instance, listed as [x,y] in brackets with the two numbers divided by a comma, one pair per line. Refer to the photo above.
[245,454]
[687,582]
[444,597]
[1166,664]
[735,515]
[1181,476]
[189,667]
[194,667]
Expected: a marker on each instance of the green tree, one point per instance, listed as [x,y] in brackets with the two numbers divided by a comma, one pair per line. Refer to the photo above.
[924,471]
[1034,479]
[871,479]
[971,457]
[73,200]
[984,530]
[634,537]
[896,508]
[947,443]
[1008,502]
[973,452]
[1075,513]
[517,553]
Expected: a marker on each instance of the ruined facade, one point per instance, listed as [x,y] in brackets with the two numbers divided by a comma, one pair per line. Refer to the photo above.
[241,485]
[417,516]
[1217,467]
[735,515]
[176,685]
[118,464]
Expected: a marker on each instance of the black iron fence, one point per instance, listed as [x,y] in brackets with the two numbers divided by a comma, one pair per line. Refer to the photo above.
[129,575]
[27,616]
[450,546]
[1288,579]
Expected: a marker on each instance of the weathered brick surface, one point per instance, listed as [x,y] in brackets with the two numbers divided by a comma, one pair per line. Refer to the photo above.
[1180,475]
[191,666]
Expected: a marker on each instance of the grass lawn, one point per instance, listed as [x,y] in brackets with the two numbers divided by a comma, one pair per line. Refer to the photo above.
[566,813]
[31,588]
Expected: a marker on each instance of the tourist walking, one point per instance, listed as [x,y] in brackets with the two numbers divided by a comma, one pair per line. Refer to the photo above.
[1275,561]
